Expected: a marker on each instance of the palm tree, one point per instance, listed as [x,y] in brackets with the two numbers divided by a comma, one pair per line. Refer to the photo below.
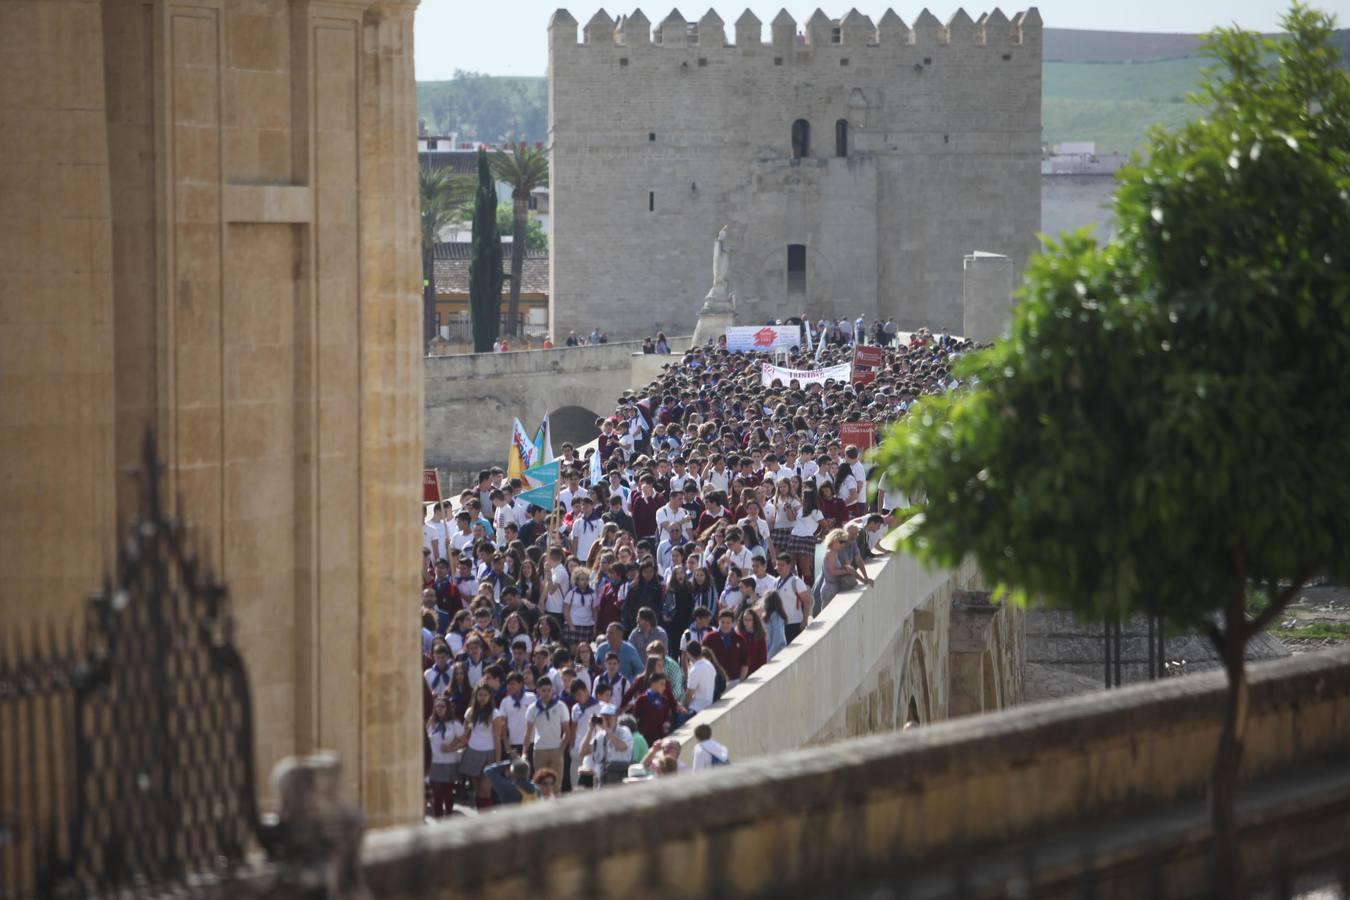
[444,200]
[524,168]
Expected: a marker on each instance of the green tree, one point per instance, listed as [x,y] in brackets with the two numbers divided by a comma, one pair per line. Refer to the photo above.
[444,200]
[485,262]
[1165,429]
[524,168]
[535,237]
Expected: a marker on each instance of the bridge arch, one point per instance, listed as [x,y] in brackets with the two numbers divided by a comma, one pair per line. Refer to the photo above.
[915,694]
[572,423]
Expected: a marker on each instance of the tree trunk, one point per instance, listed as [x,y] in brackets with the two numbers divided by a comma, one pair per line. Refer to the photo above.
[428,299]
[1228,878]
[520,213]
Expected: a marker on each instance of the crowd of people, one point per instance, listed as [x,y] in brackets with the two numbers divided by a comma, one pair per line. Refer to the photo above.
[563,646]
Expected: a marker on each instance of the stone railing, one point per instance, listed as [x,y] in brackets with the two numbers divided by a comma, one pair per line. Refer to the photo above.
[853,671]
[1108,783]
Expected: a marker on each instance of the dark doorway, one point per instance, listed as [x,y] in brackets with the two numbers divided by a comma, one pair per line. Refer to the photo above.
[841,138]
[801,139]
[796,268]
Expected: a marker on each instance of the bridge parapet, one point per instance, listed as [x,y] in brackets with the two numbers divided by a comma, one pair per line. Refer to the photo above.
[920,803]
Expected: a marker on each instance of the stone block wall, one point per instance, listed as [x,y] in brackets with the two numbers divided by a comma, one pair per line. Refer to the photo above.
[215,236]
[470,400]
[656,144]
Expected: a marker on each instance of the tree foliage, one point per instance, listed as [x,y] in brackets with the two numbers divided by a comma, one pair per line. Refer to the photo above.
[535,237]
[493,109]
[485,262]
[443,199]
[1165,427]
[1163,423]
[525,168]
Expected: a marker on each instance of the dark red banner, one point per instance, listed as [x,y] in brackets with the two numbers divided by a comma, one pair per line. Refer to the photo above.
[859,434]
[431,486]
[866,362]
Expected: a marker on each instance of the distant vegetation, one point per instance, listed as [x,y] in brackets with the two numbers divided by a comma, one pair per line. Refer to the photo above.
[1107,87]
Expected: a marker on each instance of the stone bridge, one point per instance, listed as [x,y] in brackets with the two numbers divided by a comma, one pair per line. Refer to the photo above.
[471,399]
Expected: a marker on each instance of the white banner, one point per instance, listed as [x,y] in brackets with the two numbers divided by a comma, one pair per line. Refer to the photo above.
[770,373]
[763,338]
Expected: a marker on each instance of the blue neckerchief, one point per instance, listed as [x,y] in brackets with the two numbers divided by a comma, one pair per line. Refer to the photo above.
[656,699]
[728,639]
[439,727]
[546,708]
[440,674]
[520,697]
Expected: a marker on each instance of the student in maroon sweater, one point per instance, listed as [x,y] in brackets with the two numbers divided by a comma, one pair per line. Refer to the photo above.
[728,646]
[643,506]
[654,708]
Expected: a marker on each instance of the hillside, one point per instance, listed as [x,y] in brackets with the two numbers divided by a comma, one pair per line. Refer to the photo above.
[1103,86]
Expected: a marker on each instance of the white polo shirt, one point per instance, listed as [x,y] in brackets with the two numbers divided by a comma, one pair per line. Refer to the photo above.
[548,724]
[513,711]
[788,588]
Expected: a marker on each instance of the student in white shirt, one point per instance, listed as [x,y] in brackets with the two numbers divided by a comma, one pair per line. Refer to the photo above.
[796,596]
[587,528]
[432,537]
[446,735]
[546,725]
[579,605]
[701,683]
[556,583]
[708,754]
[512,712]
[584,708]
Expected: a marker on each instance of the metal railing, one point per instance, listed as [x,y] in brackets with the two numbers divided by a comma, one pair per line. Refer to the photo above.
[126,758]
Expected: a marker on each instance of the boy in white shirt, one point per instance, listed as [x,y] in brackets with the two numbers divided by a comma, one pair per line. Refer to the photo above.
[512,711]
[546,724]
[701,683]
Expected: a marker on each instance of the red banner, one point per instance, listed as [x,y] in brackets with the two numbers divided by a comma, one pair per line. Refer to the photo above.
[431,486]
[866,362]
[859,434]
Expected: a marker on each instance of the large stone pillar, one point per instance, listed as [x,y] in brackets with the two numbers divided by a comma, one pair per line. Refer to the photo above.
[391,420]
[56,323]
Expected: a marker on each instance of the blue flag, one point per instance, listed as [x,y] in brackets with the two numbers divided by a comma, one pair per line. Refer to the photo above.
[541,496]
[542,474]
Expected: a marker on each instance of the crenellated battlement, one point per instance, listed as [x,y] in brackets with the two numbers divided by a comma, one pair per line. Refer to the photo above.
[819,32]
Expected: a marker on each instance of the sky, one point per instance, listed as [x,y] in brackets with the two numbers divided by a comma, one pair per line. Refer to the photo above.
[508,37]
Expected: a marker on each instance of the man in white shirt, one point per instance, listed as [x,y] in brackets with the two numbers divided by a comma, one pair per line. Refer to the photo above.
[586,527]
[673,513]
[796,596]
[701,682]
[464,536]
[611,746]
[546,723]
[432,537]
[718,476]
[737,554]
[764,582]
[568,495]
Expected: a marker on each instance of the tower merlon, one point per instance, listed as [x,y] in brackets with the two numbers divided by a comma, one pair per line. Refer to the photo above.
[854,30]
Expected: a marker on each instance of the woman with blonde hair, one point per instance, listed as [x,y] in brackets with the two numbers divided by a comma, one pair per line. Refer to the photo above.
[835,576]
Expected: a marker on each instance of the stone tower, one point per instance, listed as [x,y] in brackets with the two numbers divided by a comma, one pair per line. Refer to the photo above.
[856,163]
[208,224]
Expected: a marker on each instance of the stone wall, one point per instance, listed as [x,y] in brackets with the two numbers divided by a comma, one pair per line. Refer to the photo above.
[471,399]
[655,146]
[976,793]
[855,670]
[209,228]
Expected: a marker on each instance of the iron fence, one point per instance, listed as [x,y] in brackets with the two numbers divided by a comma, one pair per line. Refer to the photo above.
[126,756]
